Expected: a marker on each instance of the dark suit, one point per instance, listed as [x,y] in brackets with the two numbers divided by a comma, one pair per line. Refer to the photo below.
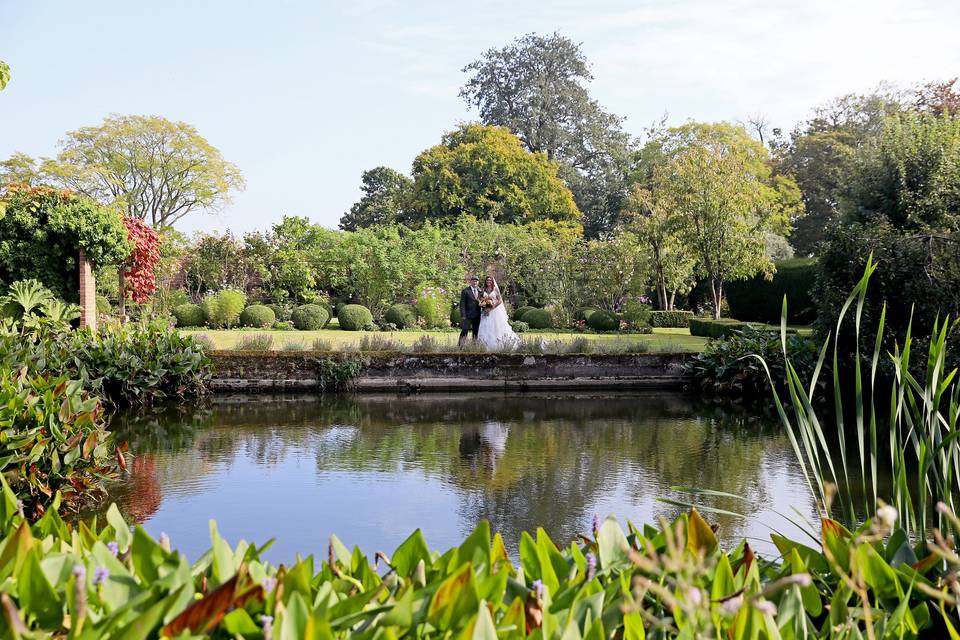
[469,313]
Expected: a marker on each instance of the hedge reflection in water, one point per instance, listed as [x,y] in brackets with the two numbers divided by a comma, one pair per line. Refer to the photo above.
[373,468]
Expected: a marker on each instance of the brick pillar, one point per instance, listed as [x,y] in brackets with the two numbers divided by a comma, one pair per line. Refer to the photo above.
[88,293]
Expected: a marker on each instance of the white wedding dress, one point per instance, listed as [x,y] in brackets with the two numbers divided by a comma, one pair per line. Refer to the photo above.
[495,332]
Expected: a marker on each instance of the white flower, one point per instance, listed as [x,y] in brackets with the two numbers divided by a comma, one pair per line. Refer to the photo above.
[887,515]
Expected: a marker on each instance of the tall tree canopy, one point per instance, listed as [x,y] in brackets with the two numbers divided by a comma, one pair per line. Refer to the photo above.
[19,169]
[385,193]
[717,183]
[536,87]
[485,172]
[155,169]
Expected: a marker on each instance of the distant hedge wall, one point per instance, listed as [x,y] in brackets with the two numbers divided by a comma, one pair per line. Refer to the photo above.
[761,300]
[670,319]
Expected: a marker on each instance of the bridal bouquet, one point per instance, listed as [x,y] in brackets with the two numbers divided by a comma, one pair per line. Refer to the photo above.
[486,303]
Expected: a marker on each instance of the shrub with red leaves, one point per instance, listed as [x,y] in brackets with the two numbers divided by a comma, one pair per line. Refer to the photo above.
[138,272]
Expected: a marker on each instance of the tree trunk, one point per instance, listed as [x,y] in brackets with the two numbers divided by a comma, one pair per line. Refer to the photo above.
[672,300]
[716,292]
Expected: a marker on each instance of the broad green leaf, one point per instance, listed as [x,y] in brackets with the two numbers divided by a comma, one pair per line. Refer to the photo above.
[476,548]
[409,553]
[613,546]
[454,599]
[38,600]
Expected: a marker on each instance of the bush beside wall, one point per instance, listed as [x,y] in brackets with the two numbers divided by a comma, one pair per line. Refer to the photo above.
[670,319]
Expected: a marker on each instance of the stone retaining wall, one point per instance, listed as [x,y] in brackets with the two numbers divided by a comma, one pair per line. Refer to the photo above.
[281,370]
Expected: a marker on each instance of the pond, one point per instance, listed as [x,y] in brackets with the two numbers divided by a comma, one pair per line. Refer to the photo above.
[371,469]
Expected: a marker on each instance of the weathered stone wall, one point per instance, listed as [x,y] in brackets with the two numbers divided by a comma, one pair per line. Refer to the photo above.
[271,371]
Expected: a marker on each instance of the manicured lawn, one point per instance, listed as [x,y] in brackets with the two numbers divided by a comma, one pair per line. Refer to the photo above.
[661,340]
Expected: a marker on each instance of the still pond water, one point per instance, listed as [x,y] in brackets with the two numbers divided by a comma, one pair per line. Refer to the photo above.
[374,468]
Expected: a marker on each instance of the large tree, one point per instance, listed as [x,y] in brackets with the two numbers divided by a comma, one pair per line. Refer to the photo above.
[717,181]
[537,87]
[385,193]
[19,169]
[485,172]
[155,169]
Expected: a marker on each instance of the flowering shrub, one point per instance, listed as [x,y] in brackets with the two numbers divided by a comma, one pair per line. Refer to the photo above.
[139,272]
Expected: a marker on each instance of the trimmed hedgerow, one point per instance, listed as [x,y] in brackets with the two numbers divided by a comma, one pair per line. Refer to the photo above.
[402,315]
[537,319]
[670,319]
[354,317]
[258,315]
[309,317]
[189,315]
[761,300]
[603,321]
[722,328]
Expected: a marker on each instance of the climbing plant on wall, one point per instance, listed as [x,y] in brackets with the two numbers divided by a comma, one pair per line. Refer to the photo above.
[139,271]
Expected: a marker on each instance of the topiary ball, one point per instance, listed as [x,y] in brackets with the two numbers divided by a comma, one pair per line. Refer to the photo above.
[603,321]
[402,315]
[281,311]
[258,315]
[584,314]
[189,315]
[354,317]
[519,326]
[309,317]
[518,314]
[537,319]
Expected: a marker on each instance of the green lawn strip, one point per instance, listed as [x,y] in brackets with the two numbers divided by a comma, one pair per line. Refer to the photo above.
[660,341]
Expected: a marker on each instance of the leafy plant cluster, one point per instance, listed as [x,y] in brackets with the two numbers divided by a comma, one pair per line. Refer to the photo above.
[139,272]
[107,580]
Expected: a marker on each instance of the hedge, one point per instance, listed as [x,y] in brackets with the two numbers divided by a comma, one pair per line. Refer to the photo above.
[258,315]
[309,317]
[404,316]
[519,313]
[537,319]
[603,321]
[189,315]
[354,317]
[761,300]
[670,319]
[725,327]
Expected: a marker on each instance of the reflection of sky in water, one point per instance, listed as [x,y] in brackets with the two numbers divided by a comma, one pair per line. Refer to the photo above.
[372,472]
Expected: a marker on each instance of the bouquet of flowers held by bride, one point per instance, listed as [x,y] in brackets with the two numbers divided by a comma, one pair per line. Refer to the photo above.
[486,302]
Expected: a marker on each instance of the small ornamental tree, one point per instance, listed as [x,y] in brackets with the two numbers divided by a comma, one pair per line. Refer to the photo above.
[138,275]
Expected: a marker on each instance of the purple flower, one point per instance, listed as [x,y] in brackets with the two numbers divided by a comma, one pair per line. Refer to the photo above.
[537,587]
[596,522]
[79,571]
[269,584]
[591,566]
[113,547]
[100,575]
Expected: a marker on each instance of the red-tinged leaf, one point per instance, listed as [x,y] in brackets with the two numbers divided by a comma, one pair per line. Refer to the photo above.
[205,614]
[533,613]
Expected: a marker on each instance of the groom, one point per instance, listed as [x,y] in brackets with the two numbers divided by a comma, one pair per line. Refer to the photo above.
[470,309]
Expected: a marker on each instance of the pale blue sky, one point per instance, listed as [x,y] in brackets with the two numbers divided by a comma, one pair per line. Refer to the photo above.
[303,96]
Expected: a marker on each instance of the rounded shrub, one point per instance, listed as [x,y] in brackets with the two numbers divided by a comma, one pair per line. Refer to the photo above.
[309,317]
[519,326]
[537,319]
[603,321]
[519,313]
[189,315]
[223,308]
[258,315]
[354,317]
[324,302]
[402,315]
[584,314]
[281,311]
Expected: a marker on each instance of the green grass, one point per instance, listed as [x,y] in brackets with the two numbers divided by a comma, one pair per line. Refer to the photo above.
[660,341]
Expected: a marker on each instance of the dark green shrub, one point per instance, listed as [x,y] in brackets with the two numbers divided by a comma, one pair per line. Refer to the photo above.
[309,317]
[519,313]
[584,314]
[519,326]
[538,319]
[190,315]
[455,319]
[281,311]
[259,316]
[603,321]
[636,314]
[761,300]
[670,319]
[403,316]
[324,301]
[709,328]
[354,317]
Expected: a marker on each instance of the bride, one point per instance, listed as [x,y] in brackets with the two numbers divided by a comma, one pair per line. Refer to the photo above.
[495,331]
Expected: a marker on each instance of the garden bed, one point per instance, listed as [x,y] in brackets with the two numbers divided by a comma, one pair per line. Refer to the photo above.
[278,370]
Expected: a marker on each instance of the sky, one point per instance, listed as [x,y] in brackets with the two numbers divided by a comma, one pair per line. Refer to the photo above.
[304,96]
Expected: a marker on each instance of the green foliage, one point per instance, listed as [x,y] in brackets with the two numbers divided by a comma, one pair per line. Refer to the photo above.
[431,305]
[42,231]
[484,172]
[336,374]
[584,314]
[608,272]
[281,312]
[405,316]
[103,306]
[54,440]
[309,317]
[710,328]
[603,321]
[760,299]
[538,319]
[214,261]
[474,590]
[224,307]
[635,313]
[385,196]
[4,74]
[255,342]
[521,311]
[324,301]
[354,317]
[190,315]
[670,319]
[519,326]
[455,319]
[729,365]
[259,316]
